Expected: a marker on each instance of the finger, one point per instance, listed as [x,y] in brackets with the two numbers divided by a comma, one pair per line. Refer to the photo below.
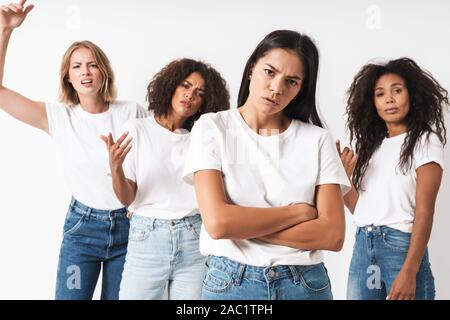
[122,138]
[124,145]
[28,9]
[22,2]
[338,146]
[354,160]
[110,140]
[125,152]
[14,9]
[5,9]
[105,139]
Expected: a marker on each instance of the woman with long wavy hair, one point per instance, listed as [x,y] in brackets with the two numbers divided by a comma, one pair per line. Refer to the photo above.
[395,118]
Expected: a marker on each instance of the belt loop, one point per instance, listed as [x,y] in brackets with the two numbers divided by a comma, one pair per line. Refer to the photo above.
[152,224]
[295,274]
[240,274]
[72,203]
[88,213]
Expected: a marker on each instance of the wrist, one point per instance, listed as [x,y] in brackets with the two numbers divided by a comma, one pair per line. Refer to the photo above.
[410,270]
[6,31]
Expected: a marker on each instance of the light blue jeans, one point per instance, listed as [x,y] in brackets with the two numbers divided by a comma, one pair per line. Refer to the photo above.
[163,252]
[378,256]
[226,279]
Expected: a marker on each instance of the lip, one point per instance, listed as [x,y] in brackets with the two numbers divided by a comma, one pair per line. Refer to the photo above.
[270,102]
[391,110]
[186,104]
[89,84]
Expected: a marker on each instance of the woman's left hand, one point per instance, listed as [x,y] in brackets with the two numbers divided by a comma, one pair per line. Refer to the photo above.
[403,287]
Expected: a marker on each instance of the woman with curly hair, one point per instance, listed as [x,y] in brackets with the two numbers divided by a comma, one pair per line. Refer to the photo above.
[268,181]
[165,226]
[395,118]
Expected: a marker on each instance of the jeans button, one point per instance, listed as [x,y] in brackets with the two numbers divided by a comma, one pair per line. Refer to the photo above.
[369,229]
[270,274]
[172,223]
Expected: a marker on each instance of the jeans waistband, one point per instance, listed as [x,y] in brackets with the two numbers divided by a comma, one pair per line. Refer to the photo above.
[84,209]
[373,229]
[153,223]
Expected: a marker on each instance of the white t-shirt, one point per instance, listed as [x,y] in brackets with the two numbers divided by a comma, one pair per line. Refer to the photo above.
[76,134]
[388,197]
[155,163]
[263,171]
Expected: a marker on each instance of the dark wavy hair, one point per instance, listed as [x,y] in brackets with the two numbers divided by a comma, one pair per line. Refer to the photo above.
[427,100]
[163,85]
[303,107]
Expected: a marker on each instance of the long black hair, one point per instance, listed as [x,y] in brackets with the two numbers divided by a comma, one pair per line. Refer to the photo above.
[303,107]
[426,105]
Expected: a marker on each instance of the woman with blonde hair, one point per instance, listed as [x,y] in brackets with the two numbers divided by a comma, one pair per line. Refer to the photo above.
[96,226]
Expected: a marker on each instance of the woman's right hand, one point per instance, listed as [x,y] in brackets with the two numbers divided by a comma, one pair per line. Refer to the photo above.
[12,15]
[306,211]
[117,150]
[348,158]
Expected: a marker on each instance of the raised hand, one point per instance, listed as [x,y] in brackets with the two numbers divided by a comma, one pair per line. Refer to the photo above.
[348,158]
[12,15]
[117,150]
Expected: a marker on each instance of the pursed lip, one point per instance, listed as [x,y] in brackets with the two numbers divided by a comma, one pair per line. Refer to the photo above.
[186,103]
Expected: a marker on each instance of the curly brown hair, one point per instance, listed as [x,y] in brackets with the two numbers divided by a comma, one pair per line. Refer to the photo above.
[367,129]
[163,85]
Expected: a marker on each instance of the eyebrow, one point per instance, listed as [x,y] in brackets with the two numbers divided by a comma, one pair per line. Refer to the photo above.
[290,77]
[392,85]
[192,85]
[81,62]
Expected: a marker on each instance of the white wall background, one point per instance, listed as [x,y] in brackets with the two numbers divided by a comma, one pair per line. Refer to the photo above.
[140,37]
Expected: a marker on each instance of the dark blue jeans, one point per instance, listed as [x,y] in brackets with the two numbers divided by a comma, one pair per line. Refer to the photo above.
[92,239]
[378,256]
[226,279]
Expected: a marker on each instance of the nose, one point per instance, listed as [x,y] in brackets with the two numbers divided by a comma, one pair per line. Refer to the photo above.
[188,94]
[389,97]
[276,86]
[85,70]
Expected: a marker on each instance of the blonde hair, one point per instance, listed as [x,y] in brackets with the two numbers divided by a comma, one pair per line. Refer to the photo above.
[68,95]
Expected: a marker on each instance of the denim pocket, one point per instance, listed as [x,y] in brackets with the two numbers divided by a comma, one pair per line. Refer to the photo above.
[74,221]
[138,233]
[216,280]
[314,278]
[396,240]
[195,229]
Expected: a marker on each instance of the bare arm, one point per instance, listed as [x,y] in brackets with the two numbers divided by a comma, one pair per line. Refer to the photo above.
[23,109]
[327,232]
[124,188]
[226,221]
[429,178]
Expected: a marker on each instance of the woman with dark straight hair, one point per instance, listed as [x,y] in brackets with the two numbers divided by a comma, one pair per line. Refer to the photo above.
[395,117]
[268,181]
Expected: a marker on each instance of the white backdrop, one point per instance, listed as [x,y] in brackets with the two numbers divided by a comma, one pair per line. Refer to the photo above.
[140,37]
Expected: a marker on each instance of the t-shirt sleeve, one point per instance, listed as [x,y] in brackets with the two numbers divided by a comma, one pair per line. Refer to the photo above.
[130,163]
[55,117]
[204,149]
[429,150]
[331,170]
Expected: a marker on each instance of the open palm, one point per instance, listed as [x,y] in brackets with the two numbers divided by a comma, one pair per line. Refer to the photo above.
[13,15]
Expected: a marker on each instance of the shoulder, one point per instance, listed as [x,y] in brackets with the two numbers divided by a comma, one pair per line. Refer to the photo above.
[130,108]
[214,120]
[312,133]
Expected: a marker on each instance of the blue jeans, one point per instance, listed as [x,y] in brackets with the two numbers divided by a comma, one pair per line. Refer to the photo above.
[163,252]
[226,279]
[92,238]
[378,256]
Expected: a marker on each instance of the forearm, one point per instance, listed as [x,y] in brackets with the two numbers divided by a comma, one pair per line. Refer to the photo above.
[238,222]
[350,199]
[317,234]
[123,189]
[419,239]
[5,35]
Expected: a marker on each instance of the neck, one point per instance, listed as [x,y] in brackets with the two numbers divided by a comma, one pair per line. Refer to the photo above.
[395,129]
[93,104]
[264,124]
[171,122]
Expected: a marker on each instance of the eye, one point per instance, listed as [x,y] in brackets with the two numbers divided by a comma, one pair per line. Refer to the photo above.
[379,94]
[269,72]
[185,85]
[292,82]
[398,90]
[94,65]
[75,66]
[201,94]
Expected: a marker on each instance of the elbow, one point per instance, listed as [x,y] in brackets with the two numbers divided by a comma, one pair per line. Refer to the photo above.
[216,228]
[335,238]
